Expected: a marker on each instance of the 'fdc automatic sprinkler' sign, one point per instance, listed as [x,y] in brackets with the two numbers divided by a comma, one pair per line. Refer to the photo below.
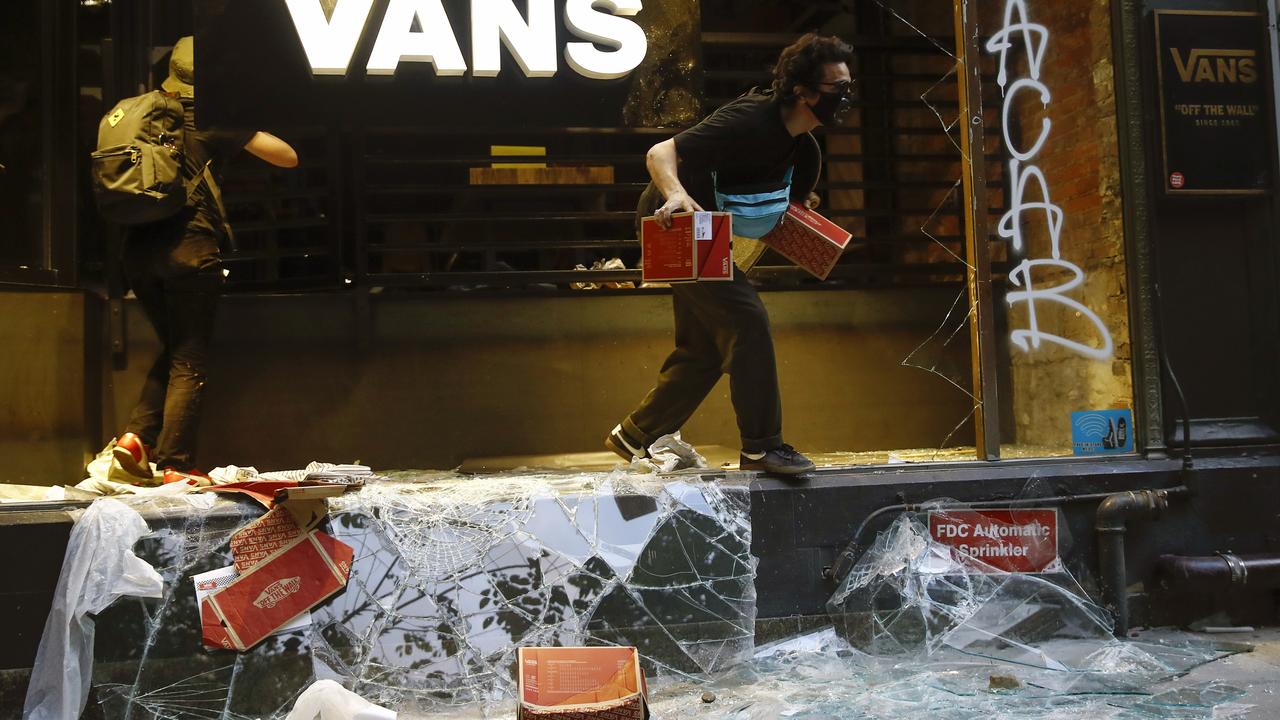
[420,31]
[1024,541]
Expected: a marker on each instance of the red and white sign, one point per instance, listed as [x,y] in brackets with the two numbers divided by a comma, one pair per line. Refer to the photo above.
[1017,541]
[1176,181]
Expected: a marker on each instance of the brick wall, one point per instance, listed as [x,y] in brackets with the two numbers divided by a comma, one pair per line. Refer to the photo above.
[1080,162]
[1081,166]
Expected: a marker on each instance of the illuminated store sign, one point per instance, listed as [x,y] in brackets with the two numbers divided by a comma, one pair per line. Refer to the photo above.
[419,31]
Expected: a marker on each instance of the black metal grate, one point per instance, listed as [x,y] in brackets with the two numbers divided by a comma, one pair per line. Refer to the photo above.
[395,206]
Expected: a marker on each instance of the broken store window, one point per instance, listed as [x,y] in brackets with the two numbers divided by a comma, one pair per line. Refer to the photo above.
[453,573]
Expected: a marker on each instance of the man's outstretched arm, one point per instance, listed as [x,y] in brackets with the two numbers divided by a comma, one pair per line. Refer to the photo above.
[663,163]
[272,149]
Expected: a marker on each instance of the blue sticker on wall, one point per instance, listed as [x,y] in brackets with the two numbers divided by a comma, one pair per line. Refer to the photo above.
[1102,432]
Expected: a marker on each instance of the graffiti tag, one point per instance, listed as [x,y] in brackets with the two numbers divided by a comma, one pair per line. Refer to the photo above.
[1025,176]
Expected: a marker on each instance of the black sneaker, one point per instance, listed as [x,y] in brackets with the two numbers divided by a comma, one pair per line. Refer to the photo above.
[620,443]
[782,460]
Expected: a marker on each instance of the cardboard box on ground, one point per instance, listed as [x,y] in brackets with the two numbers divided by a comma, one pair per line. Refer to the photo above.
[700,246]
[580,683]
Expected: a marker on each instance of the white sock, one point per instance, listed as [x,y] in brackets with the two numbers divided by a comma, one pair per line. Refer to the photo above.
[753,456]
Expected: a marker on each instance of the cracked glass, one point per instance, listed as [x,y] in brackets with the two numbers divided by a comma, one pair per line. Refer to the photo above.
[945,630]
[1058,375]
[924,91]
[451,575]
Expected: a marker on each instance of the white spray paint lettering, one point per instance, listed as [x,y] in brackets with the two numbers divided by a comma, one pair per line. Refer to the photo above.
[1034,40]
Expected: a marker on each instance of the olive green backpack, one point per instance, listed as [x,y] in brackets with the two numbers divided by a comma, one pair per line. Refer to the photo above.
[137,170]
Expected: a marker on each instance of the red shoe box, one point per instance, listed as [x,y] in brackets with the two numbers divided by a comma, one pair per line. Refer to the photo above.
[697,246]
[809,240]
[273,592]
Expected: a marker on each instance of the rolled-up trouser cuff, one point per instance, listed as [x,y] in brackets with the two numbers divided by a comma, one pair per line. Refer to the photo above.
[634,432]
[761,445]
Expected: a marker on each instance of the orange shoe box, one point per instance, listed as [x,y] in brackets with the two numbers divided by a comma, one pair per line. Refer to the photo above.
[581,683]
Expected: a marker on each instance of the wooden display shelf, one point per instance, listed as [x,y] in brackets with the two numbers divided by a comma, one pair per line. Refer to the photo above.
[554,175]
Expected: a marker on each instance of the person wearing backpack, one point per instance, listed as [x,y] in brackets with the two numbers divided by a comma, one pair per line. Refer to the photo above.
[747,158]
[173,263]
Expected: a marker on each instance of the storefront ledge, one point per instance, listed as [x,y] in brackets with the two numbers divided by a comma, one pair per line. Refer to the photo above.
[798,529]
[1221,432]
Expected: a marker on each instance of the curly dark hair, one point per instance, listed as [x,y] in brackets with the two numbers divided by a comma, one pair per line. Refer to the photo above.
[801,62]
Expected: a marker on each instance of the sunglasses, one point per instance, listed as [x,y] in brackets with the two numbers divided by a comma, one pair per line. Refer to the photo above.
[842,87]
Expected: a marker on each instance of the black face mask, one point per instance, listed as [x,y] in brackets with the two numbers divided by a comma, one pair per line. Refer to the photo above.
[831,107]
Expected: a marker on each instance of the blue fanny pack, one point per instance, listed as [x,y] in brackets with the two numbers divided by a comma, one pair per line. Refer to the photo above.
[755,214]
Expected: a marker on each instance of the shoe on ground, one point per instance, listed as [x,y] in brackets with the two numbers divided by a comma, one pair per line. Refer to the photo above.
[191,477]
[131,454]
[624,446]
[782,460]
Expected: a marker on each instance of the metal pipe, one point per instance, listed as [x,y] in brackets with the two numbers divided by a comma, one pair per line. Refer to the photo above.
[1110,522]
[1222,571]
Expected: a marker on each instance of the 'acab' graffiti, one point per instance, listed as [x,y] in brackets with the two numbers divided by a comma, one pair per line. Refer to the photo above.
[1023,176]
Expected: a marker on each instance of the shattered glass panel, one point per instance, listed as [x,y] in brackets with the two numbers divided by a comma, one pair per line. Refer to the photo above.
[920,629]
[1048,221]
[911,595]
[924,72]
[913,602]
[820,676]
[451,575]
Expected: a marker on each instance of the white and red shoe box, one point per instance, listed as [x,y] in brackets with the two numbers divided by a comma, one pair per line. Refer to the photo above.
[697,247]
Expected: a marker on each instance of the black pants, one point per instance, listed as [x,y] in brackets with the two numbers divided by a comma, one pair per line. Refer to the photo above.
[177,279]
[721,327]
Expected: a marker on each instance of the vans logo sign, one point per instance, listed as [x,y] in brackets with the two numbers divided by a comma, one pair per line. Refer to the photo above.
[272,594]
[419,31]
[1202,65]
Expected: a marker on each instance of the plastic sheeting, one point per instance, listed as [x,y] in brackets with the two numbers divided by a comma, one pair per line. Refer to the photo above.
[98,567]
[327,700]
[451,574]
[670,453]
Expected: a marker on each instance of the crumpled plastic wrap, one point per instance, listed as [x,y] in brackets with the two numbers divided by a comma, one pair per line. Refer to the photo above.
[610,264]
[670,453]
[98,567]
[327,700]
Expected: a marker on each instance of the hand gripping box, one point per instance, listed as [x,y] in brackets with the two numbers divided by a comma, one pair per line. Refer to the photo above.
[697,246]
[580,683]
[809,240]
